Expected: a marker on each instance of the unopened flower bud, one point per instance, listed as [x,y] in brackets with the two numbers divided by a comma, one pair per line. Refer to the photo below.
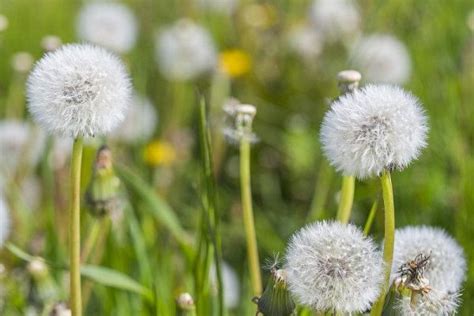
[348,80]
[276,299]
[185,302]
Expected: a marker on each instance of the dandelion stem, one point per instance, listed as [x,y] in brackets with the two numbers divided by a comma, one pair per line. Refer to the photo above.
[246,195]
[370,218]
[347,197]
[389,239]
[321,191]
[74,228]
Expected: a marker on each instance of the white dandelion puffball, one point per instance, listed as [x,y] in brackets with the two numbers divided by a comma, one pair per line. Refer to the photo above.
[331,266]
[378,127]
[335,19]
[432,304]
[382,58]
[78,90]
[184,51]
[111,25]
[21,144]
[230,283]
[446,269]
[305,41]
[4,221]
[140,121]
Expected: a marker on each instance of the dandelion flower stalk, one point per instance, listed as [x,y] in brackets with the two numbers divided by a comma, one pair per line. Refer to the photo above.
[74,228]
[389,240]
[348,82]
[244,121]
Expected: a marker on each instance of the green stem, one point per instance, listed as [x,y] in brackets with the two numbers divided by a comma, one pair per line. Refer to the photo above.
[246,195]
[347,197]
[370,218]
[74,229]
[389,239]
[91,239]
[321,191]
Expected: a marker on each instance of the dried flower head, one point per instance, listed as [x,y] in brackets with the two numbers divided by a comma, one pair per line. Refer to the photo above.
[185,51]
[111,25]
[411,275]
[372,129]
[241,117]
[21,144]
[447,266]
[336,19]
[78,90]
[4,221]
[331,266]
[382,58]
[140,121]
[432,304]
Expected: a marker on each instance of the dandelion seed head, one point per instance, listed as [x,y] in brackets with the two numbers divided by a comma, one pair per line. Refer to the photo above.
[140,121]
[20,143]
[306,41]
[335,19]
[230,283]
[331,266]
[372,129]
[78,90]
[185,51]
[447,265]
[382,58]
[111,25]
[432,304]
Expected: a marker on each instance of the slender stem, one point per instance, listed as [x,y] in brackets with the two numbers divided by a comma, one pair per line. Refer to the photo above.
[321,191]
[246,195]
[388,240]
[370,218]
[347,197]
[74,229]
[91,239]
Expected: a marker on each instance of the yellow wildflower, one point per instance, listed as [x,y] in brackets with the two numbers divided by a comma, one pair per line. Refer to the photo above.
[159,153]
[234,62]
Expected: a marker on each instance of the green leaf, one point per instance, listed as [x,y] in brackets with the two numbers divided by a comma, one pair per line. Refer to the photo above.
[115,279]
[157,206]
[18,252]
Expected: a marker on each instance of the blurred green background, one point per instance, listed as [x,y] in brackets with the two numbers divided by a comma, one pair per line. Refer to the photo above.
[287,164]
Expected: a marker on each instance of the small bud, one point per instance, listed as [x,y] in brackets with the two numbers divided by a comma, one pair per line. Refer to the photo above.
[348,80]
[276,300]
[103,192]
[50,43]
[185,302]
[37,268]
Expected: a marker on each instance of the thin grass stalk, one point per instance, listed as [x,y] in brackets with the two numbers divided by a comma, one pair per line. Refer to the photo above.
[370,218]
[246,195]
[321,191]
[389,239]
[75,229]
[346,200]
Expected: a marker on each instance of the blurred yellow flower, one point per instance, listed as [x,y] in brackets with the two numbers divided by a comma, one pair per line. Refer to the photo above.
[159,153]
[234,62]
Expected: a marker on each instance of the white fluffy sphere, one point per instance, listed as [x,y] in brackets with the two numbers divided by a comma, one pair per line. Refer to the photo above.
[332,266]
[446,269]
[184,51]
[305,41]
[382,58]
[140,121]
[335,19]
[78,90]
[432,304]
[111,25]
[372,129]
[20,143]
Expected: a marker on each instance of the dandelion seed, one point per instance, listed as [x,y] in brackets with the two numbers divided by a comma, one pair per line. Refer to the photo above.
[335,19]
[140,121]
[373,129]
[382,58]
[111,25]
[331,266]
[447,265]
[185,51]
[78,90]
